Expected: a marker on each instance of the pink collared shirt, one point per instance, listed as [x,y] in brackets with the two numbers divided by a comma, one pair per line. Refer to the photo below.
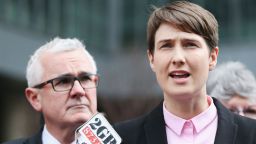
[201,129]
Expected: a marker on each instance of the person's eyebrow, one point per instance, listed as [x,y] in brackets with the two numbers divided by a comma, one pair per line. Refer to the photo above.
[65,75]
[165,41]
[190,40]
[85,73]
[69,74]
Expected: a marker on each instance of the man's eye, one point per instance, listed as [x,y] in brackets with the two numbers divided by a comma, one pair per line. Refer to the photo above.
[250,111]
[63,81]
[85,78]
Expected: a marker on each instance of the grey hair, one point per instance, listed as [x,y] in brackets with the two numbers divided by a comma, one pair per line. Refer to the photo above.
[231,78]
[35,70]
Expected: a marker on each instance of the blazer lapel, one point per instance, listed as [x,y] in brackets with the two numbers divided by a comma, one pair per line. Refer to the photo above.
[36,139]
[227,129]
[155,126]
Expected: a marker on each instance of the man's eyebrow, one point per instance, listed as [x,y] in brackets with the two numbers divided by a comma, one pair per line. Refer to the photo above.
[66,74]
[85,73]
[80,73]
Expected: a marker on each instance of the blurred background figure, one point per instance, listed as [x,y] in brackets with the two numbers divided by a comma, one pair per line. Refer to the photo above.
[235,86]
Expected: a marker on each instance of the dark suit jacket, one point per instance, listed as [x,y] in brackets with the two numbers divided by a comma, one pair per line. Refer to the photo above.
[150,128]
[36,139]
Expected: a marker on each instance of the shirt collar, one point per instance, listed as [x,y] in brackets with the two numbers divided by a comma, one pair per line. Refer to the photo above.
[206,117]
[200,121]
[48,138]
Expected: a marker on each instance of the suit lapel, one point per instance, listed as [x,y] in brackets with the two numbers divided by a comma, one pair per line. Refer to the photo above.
[36,139]
[155,126]
[227,129]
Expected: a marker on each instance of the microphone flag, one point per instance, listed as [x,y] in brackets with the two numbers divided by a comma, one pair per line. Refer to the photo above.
[97,130]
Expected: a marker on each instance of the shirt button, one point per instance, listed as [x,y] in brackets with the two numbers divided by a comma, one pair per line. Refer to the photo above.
[188,124]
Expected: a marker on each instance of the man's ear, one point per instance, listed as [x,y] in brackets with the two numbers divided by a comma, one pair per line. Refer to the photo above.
[34,98]
[151,60]
[213,58]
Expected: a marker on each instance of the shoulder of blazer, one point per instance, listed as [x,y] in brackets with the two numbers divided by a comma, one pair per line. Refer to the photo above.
[17,141]
[225,114]
[138,130]
[137,123]
[36,139]
[233,128]
[130,130]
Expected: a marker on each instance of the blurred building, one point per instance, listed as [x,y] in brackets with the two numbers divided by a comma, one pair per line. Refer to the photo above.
[114,31]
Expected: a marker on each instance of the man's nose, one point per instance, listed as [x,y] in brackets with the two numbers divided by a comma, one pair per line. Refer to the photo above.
[77,89]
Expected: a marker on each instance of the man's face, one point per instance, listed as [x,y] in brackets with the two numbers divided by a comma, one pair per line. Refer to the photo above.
[181,62]
[240,105]
[66,108]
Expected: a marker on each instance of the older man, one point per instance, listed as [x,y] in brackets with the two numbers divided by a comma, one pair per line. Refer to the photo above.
[62,83]
[235,86]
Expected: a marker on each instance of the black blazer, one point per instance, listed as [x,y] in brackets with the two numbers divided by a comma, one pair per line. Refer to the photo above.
[150,128]
[36,139]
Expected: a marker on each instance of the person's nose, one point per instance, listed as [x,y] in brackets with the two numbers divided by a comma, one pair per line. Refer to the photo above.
[178,57]
[77,89]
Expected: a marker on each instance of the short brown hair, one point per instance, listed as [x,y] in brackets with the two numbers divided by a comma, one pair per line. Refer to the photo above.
[187,17]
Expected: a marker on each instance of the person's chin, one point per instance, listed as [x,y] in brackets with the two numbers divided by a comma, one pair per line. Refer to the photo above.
[80,115]
[79,120]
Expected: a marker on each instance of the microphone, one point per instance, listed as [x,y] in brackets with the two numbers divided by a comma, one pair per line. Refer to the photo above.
[97,130]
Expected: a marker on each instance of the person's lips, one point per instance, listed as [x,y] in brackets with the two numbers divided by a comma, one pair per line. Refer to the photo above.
[179,74]
[78,106]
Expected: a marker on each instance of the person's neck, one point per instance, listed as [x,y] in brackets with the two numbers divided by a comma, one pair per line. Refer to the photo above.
[186,108]
[64,135]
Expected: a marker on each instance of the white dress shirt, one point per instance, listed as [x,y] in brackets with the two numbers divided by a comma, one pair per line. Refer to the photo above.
[48,138]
